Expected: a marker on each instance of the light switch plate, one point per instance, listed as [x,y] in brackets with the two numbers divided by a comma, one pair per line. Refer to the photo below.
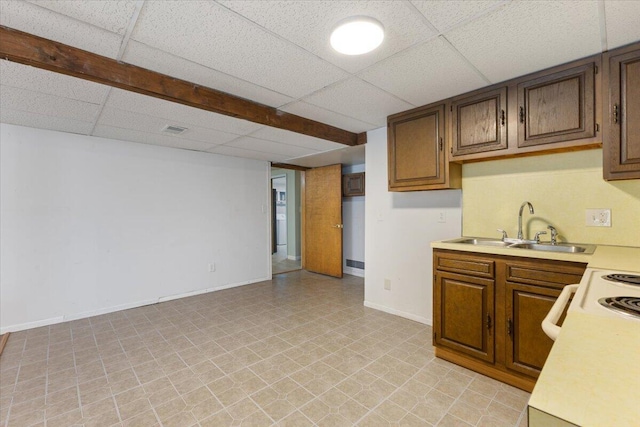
[598,218]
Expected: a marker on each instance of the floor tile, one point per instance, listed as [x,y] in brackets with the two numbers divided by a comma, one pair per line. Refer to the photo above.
[300,350]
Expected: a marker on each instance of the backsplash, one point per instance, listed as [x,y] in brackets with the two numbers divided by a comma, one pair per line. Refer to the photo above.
[561,187]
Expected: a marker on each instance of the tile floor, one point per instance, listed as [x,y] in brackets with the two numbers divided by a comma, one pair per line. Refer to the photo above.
[281,264]
[300,350]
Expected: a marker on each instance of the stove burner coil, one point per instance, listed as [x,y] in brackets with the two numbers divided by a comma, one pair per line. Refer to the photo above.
[626,305]
[629,279]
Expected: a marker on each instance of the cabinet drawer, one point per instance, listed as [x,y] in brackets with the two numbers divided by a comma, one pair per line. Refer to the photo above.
[544,274]
[480,267]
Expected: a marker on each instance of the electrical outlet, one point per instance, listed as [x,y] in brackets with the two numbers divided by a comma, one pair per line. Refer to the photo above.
[212,267]
[598,218]
[387,284]
[442,217]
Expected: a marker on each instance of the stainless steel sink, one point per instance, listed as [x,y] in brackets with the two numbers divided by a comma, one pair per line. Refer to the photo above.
[480,242]
[546,247]
[560,247]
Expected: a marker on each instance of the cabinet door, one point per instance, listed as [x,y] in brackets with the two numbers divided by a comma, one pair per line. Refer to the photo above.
[622,142]
[527,345]
[464,314]
[416,148]
[479,123]
[557,107]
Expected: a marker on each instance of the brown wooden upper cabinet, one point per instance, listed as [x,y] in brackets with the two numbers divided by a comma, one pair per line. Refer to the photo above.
[479,122]
[416,149]
[621,151]
[556,107]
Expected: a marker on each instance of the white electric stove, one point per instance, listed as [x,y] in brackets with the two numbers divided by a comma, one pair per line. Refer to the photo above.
[608,293]
[600,292]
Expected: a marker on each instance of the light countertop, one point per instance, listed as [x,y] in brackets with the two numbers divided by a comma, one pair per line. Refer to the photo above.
[616,258]
[591,375]
[496,250]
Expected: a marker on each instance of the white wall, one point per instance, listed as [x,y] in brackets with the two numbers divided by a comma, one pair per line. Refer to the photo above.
[399,228]
[353,218]
[91,225]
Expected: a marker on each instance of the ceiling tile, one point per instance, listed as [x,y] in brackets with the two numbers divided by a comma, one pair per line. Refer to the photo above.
[206,33]
[359,99]
[526,36]
[266,146]
[42,22]
[329,117]
[446,14]
[111,15]
[297,139]
[171,111]
[38,80]
[141,122]
[623,22]
[345,156]
[147,138]
[247,154]
[309,24]
[48,105]
[171,65]
[415,76]
[40,121]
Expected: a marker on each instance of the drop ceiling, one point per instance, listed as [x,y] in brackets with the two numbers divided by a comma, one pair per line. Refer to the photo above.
[277,53]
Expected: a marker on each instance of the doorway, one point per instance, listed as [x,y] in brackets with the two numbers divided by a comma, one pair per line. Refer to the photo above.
[285,220]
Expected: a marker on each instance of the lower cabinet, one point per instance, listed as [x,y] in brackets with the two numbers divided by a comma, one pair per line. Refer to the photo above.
[527,346]
[466,330]
[488,311]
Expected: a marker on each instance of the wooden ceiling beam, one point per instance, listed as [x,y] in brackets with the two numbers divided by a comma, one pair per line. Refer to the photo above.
[289,166]
[28,49]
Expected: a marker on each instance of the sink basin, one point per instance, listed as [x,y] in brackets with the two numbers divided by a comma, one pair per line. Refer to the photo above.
[480,242]
[546,247]
[561,247]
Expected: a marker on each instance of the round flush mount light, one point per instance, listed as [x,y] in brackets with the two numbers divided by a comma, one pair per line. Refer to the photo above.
[357,35]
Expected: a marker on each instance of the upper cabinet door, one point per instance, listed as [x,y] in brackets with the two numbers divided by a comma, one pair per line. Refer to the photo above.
[479,122]
[557,107]
[417,159]
[622,138]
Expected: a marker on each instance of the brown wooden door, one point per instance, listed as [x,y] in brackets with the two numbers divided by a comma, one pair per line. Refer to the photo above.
[622,143]
[557,107]
[527,344]
[322,220]
[464,314]
[416,148]
[479,122]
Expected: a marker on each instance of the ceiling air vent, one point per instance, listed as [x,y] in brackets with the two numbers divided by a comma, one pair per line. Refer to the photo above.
[173,130]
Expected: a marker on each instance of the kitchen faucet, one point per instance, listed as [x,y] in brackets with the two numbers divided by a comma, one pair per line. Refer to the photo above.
[531,211]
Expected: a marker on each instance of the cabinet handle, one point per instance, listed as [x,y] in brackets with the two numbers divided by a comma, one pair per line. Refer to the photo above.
[489,321]
[502,117]
[441,144]
[615,113]
[510,328]
[521,114]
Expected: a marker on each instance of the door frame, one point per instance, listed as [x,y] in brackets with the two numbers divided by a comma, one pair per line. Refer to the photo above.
[300,224]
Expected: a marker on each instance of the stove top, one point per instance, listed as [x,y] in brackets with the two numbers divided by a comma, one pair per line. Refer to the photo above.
[608,293]
[625,305]
[629,279]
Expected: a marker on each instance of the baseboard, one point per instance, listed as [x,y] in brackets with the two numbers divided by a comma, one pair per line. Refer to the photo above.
[353,271]
[400,313]
[294,258]
[107,310]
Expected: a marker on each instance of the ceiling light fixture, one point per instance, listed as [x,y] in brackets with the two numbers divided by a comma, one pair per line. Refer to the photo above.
[357,35]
